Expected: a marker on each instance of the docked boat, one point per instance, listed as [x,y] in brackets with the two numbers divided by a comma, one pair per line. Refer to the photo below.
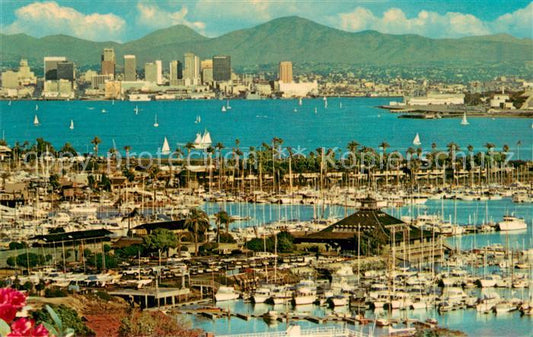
[305,293]
[226,294]
[281,295]
[511,223]
[261,295]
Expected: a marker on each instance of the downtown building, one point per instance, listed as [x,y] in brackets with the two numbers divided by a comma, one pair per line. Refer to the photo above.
[130,68]
[221,68]
[108,62]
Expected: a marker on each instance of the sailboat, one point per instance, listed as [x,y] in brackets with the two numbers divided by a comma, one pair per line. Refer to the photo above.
[464,121]
[202,141]
[416,141]
[36,107]
[136,109]
[104,111]
[223,108]
[9,103]
[300,101]
[325,102]
[295,110]
[156,124]
[198,120]
[316,110]
[228,107]
[71,125]
[166,148]
[36,120]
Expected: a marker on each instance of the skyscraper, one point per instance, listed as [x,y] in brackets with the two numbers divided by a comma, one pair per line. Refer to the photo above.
[285,72]
[192,68]
[130,68]
[206,67]
[175,72]
[108,62]
[222,68]
[159,70]
[150,72]
[50,66]
[65,70]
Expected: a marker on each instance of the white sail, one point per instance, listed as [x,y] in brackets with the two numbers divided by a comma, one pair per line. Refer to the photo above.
[71,125]
[136,109]
[316,110]
[36,107]
[9,103]
[36,120]
[464,121]
[198,140]
[340,105]
[166,148]
[416,141]
[206,139]
[228,107]
[156,124]
[223,108]
[325,102]
[300,101]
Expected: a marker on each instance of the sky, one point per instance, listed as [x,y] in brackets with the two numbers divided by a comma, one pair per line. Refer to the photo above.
[125,20]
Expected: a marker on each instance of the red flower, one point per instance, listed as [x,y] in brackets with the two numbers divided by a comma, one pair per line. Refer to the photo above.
[24,327]
[11,301]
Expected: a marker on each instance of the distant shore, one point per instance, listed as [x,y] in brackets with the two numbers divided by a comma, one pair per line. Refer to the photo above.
[446,111]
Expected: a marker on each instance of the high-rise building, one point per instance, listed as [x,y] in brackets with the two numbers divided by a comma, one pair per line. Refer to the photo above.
[285,72]
[159,69]
[206,68]
[65,70]
[175,72]
[222,68]
[50,66]
[150,72]
[130,68]
[108,62]
[192,68]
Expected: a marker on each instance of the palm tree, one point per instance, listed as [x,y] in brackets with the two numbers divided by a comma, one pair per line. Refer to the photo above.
[197,222]
[210,150]
[127,148]
[96,141]
[189,146]
[219,146]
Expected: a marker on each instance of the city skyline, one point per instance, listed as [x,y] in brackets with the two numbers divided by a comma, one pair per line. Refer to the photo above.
[104,21]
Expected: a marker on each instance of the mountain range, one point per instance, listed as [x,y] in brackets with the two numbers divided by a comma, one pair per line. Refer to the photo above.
[289,38]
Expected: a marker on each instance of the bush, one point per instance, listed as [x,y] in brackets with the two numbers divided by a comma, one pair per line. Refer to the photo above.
[154,324]
[103,296]
[55,292]
[22,260]
[226,238]
[17,245]
[69,318]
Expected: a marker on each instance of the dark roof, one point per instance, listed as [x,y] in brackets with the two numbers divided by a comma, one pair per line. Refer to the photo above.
[73,236]
[171,225]
[364,219]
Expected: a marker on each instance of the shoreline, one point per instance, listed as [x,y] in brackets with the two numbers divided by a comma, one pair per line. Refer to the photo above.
[443,111]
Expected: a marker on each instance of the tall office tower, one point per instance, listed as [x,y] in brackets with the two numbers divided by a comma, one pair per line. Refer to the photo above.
[175,72]
[192,68]
[50,66]
[130,68]
[108,62]
[150,72]
[222,68]
[159,69]
[65,70]
[285,72]
[206,67]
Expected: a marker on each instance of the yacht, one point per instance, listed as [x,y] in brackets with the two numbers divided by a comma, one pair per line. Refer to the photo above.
[305,293]
[281,295]
[226,294]
[261,294]
[512,223]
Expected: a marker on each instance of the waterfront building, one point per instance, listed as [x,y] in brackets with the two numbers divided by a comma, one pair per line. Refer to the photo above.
[206,67]
[285,72]
[150,72]
[98,81]
[50,67]
[14,79]
[159,72]
[65,70]
[221,68]
[293,89]
[10,79]
[192,69]
[108,62]
[130,68]
[436,99]
[375,231]
[176,72]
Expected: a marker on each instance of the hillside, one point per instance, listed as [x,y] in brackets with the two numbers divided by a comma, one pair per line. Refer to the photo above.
[291,38]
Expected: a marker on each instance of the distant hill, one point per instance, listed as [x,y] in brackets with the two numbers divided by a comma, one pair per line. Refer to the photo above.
[289,38]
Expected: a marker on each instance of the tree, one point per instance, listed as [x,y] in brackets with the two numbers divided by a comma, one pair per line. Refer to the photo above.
[197,222]
[285,242]
[160,239]
[96,141]
[222,218]
[68,149]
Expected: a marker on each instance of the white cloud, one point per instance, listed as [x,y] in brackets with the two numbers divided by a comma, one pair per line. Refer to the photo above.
[255,10]
[519,22]
[46,18]
[426,23]
[151,15]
